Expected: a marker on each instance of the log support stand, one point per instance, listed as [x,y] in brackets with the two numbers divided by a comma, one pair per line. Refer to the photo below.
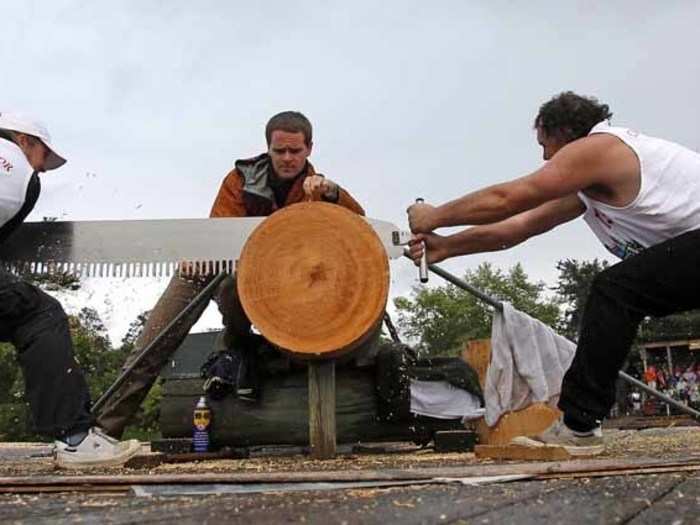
[322,409]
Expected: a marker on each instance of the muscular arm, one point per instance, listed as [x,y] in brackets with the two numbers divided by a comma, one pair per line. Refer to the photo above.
[499,235]
[514,230]
[598,160]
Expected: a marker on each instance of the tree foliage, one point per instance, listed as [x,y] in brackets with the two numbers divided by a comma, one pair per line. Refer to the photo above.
[441,319]
[573,286]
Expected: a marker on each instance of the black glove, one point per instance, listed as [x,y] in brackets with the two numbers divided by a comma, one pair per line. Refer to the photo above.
[221,371]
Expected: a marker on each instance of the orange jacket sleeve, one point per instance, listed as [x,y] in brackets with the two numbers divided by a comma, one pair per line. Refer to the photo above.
[347,201]
[229,200]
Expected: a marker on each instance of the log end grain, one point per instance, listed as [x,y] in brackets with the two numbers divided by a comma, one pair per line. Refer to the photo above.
[314,279]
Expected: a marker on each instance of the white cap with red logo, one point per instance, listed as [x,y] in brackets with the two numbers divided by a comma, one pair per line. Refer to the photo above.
[26,124]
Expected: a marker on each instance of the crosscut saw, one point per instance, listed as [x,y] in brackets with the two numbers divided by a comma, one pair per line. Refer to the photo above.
[145,248]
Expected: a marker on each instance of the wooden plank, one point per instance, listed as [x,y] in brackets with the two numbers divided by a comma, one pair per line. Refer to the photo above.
[679,505]
[605,500]
[322,440]
[550,469]
[622,472]
[521,452]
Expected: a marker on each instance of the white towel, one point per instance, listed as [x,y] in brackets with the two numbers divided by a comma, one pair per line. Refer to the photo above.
[528,362]
[440,399]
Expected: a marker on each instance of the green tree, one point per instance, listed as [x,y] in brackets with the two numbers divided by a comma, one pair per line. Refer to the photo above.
[684,325]
[441,319]
[573,286]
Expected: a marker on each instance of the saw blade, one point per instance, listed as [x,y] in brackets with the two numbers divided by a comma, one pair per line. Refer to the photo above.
[140,248]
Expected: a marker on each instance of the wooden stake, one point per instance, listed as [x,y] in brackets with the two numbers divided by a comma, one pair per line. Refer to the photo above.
[322,409]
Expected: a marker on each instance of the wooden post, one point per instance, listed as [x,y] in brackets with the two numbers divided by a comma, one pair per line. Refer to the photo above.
[322,409]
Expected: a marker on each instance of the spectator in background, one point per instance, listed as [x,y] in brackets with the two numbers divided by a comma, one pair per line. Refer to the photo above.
[661,378]
[650,376]
[689,374]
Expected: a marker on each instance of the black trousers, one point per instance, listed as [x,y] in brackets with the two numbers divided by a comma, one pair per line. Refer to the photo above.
[55,387]
[659,281]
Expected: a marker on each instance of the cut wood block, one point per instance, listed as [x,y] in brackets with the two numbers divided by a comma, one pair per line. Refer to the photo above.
[478,355]
[528,421]
[314,279]
[520,452]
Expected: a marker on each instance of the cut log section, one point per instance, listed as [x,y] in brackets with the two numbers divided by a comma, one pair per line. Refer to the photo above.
[529,421]
[314,279]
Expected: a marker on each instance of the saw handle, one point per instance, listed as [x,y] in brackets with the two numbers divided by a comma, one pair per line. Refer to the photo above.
[423,266]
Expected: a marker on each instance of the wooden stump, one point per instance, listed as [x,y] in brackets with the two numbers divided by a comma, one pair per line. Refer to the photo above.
[314,279]
[528,421]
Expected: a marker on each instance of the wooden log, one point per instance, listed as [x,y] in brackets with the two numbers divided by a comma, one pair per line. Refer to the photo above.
[314,279]
[322,409]
[281,417]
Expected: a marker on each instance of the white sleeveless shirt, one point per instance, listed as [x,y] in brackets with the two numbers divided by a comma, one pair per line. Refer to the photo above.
[15,172]
[668,202]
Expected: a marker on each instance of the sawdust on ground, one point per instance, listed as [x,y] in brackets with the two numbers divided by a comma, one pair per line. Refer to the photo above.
[660,443]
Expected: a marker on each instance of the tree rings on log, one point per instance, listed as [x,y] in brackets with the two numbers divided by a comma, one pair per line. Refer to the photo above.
[314,279]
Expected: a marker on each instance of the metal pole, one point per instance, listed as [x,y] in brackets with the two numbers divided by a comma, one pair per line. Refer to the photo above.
[460,283]
[204,294]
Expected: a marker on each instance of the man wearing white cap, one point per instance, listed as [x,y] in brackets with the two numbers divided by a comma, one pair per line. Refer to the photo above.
[35,323]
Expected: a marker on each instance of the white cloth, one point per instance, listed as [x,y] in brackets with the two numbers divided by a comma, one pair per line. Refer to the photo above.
[441,400]
[528,362]
[15,173]
[668,202]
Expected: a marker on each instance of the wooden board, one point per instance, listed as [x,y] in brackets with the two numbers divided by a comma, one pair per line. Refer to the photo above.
[314,279]
[521,452]
[529,421]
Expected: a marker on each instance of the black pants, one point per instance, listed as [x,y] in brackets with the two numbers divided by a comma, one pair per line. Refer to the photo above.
[36,325]
[659,281]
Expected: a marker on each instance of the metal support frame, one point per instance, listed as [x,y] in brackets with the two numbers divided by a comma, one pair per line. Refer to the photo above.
[206,293]
[460,283]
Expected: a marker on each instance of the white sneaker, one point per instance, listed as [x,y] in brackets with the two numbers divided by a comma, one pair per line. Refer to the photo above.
[96,450]
[559,435]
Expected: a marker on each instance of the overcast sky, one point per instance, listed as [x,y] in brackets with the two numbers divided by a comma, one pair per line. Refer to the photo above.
[152,101]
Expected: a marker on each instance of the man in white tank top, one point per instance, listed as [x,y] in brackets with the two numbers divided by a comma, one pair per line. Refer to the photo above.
[35,323]
[641,197]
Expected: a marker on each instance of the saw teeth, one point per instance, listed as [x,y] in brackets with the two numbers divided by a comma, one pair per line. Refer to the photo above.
[185,269]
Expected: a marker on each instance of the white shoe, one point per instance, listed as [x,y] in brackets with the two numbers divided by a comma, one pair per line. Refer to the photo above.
[96,450]
[559,435]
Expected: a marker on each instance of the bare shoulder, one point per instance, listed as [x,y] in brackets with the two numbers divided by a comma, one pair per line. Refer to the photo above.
[600,153]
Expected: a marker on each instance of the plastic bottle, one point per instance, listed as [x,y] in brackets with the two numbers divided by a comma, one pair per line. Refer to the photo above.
[202,424]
